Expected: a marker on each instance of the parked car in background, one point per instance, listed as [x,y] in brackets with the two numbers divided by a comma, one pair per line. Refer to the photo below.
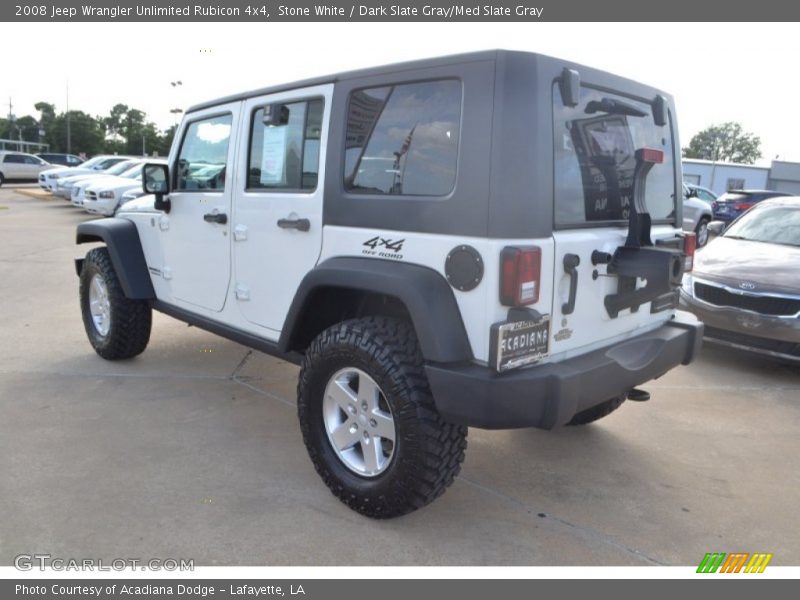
[104,196]
[700,192]
[696,216]
[64,185]
[745,285]
[21,166]
[66,160]
[733,203]
[48,178]
[129,171]
[130,195]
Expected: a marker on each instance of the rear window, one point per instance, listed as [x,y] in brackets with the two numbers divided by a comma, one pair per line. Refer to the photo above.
[594,146]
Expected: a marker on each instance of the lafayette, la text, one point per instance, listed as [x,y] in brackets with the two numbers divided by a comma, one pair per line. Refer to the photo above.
[190,589]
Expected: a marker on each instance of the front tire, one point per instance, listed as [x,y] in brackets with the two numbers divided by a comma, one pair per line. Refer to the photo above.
[116,326]
[2,179]
[369,422]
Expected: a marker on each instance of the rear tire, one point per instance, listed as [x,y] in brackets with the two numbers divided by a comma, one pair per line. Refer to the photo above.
[2,179]
[590,415]
[418,453]
[701,232]
[117,327]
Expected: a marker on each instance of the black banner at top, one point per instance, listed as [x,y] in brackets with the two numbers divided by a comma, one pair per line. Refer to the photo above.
[398,11]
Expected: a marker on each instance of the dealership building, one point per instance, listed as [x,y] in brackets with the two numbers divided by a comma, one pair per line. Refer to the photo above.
[720,177]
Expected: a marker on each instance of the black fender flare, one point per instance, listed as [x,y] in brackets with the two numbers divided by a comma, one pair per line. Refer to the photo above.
[426,295]
[125,249]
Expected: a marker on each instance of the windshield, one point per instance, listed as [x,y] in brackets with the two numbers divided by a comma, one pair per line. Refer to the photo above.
[132,172]
[594,147]
[93,161]
[774,224]
[120,168]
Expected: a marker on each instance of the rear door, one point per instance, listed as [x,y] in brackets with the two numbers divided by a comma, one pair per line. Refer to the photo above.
[14,166]
[594,152]
[277,214]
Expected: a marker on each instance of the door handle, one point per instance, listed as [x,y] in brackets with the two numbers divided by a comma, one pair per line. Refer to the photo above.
[299,224]
[571,261]
[215,217]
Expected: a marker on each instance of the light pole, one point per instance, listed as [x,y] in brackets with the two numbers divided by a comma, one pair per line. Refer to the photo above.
[176,112]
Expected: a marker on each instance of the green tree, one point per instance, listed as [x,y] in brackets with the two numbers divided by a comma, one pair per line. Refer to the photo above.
[727,142]
[86,134]
[28,128]
[115,121]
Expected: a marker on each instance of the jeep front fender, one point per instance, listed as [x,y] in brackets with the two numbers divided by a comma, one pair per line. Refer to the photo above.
[125,249]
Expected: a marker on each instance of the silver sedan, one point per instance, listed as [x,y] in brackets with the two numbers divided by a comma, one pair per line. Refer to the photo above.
[745,285]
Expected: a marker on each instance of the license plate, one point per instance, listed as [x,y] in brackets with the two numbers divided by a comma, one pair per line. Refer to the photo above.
[519,343]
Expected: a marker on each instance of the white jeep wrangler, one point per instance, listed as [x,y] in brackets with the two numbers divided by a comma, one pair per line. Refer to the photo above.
[489,240]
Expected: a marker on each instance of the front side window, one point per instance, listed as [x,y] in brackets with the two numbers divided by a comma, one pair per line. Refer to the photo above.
[284,146]
[594,153]
[204,155]
[403,139]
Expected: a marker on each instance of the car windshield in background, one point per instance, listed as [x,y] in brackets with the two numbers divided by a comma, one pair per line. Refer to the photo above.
[132,172]
[595,144]
[93,161]
[771,224]
[120,168]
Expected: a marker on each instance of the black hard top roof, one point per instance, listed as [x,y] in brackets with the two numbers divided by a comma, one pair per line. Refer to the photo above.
[440,61]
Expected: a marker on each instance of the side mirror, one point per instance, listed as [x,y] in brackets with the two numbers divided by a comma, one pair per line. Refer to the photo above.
[155,180]
[275,115]
[716,228]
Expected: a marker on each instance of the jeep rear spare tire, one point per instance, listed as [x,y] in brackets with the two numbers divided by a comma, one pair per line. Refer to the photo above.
[369,421]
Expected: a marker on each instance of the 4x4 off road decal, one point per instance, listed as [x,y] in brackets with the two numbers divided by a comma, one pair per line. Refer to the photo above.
[383,247]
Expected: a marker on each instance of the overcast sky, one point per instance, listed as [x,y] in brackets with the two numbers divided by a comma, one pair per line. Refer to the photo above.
[717,72]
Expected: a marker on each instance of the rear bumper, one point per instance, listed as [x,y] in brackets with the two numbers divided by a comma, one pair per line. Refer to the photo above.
[549,395]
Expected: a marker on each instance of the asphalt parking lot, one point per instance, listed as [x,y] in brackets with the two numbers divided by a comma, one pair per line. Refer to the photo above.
[193,450]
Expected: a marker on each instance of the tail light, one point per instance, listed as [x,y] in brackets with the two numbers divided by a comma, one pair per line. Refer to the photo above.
[742,205]
[689,246]
[714,205]
[520,274]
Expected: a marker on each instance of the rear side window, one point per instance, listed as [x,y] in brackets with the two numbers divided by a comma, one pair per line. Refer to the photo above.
[594,146]
[284,146]
[13,158]
[204,155]
[403,139]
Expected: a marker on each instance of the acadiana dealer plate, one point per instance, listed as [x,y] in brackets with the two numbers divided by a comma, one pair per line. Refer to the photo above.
[519,343]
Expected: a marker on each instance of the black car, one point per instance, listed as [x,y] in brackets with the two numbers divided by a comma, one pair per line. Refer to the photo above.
[55,158]
[734,202]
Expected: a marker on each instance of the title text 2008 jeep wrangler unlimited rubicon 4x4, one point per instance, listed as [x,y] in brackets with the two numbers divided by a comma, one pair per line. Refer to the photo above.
[489,240]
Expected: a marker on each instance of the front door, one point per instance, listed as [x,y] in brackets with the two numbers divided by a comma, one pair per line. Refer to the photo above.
[277,216]
[196,232]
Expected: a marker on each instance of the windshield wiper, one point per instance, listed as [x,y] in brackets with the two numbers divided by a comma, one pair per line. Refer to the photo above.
[613,107]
